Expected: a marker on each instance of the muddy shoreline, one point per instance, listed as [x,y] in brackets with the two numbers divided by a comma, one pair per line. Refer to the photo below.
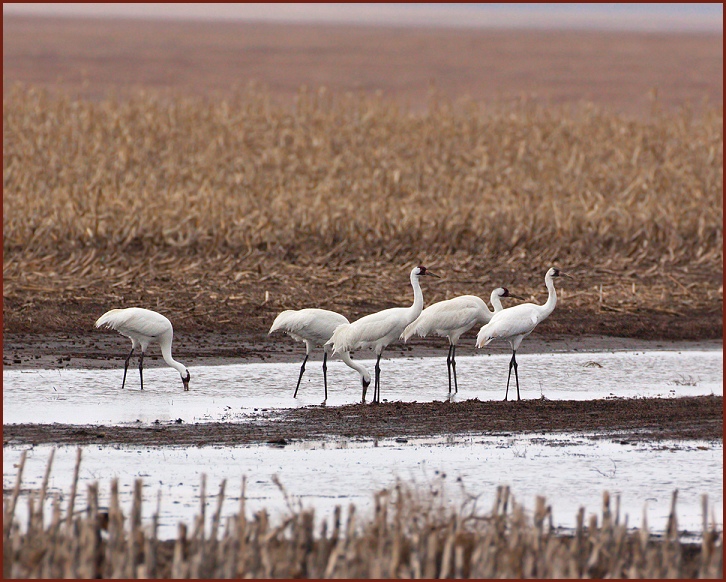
[627,420]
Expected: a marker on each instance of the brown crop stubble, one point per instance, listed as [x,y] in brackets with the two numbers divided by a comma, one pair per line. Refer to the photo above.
[412,533]
[145,198]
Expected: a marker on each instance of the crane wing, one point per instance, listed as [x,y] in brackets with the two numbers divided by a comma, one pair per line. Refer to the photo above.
[135,320]
[509,323]
[313,324]
[446,316]
[370,329]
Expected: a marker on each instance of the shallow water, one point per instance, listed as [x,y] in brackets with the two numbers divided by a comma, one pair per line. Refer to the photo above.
[569,470]
[232,392]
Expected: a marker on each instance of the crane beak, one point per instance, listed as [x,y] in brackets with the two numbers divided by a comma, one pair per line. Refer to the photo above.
[563,274]
[516,297]
[185,381]
[430,274]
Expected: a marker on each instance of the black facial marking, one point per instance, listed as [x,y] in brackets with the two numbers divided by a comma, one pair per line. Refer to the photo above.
[556,273]
[422,270]
[506,292]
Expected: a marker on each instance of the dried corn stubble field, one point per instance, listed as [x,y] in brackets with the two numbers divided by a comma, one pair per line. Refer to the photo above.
[224,211]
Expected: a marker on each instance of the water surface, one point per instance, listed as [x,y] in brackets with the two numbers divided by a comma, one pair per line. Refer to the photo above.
[233,392]
[570,470]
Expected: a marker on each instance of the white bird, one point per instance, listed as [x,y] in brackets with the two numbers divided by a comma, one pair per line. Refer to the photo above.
[377,330]
[315,327]
[453,318]
[143,326]
[516,323]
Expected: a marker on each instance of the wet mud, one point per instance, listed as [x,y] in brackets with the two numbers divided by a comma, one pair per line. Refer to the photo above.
[627,420]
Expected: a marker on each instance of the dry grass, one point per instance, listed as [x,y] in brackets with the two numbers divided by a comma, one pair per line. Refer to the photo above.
[119,196]
[410,535]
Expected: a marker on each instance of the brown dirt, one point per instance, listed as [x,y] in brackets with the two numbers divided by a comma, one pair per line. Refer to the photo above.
[639,419]
[678,303]
[616,69]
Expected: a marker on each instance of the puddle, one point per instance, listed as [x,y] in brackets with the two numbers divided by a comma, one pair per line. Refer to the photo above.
[233,392]
[570,470]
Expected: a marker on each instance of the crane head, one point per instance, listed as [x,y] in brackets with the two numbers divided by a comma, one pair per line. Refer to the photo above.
[366,383]
[422,271]
[185,381]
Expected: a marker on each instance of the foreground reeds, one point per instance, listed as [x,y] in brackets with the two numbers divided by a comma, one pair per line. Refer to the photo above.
[411,534]
[236,199]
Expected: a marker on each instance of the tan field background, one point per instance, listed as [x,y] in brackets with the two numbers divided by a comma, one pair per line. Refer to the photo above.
[618,70]
[180,166]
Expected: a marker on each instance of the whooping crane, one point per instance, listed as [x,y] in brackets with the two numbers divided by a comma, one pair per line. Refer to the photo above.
[315,327]
[377,330]
[143,326]
[516,323]
[453,318]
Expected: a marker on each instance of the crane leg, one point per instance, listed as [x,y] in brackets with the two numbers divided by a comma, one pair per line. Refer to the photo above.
[141,369]
[302,371]
[377,386]
[512,362]
[126,367]
[448,365]
[516,376]
[365,389]
[325,373]
[453,367]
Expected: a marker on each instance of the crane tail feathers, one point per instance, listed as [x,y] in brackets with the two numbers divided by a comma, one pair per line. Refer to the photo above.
[412,329]
[483,338]
[110,319]
[282,321]
[340,339]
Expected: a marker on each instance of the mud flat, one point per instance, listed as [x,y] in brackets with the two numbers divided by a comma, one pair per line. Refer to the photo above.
[644,419]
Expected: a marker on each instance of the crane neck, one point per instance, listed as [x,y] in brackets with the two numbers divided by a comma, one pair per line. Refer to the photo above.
[417,306]
[345,356]
[549,306]
[496,301]
[166,354]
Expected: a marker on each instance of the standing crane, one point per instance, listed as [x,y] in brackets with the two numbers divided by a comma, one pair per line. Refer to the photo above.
[453,318]
[377,330]
[516,323]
